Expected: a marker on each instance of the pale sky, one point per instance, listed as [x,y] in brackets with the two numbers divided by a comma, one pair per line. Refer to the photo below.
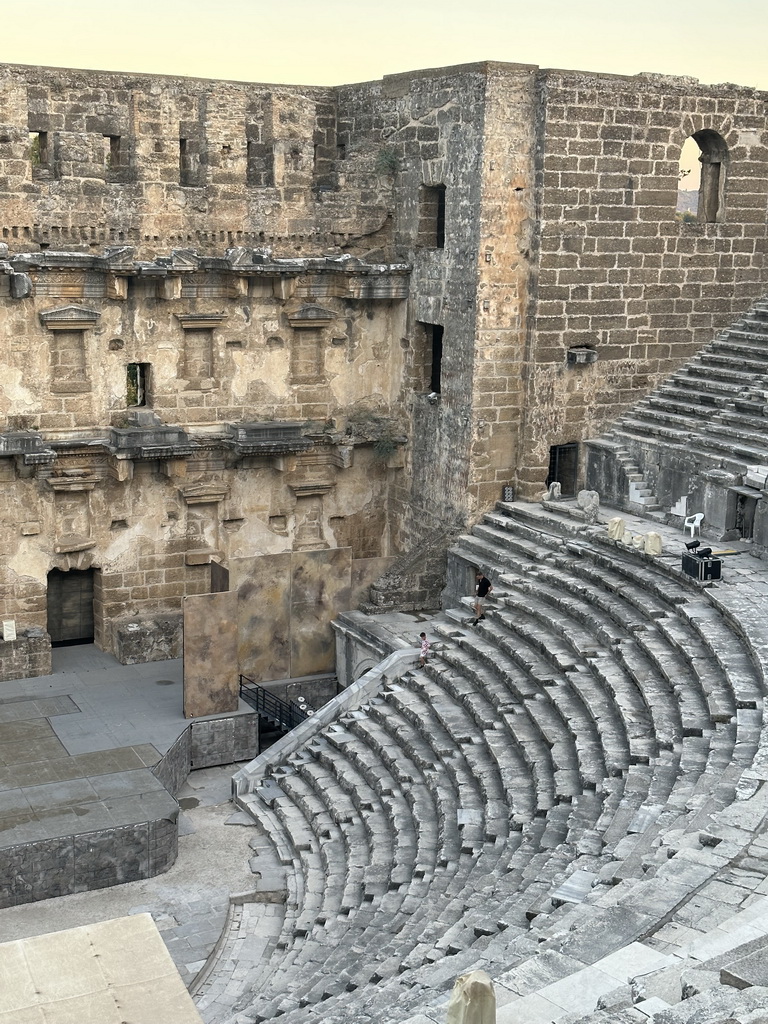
[331,42]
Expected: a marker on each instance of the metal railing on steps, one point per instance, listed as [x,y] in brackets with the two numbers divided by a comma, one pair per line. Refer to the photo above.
[286,714]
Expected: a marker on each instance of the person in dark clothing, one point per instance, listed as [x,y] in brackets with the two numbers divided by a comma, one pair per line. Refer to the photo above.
[483,587]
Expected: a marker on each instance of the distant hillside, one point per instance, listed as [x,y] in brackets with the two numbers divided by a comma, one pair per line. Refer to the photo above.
[687,200]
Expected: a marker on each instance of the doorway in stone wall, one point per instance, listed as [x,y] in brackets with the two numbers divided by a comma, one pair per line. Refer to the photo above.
[563,467]
[70,606]
[740,511]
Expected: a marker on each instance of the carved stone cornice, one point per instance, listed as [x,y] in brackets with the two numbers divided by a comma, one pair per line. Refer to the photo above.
[310,316]
[200,321]
[70,318]
[204,493]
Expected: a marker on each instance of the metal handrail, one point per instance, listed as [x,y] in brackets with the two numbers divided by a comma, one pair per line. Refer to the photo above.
[286,714]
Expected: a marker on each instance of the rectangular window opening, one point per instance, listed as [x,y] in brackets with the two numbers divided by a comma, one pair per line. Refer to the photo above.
[137,384]
[428,358]
[112,152]
[431,230]
[437,358]
[38,150]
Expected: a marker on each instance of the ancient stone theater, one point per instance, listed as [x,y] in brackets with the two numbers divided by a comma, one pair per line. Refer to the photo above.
[301,336]
[316,356]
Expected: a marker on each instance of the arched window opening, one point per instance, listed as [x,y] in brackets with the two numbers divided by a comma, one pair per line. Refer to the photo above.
[701,178]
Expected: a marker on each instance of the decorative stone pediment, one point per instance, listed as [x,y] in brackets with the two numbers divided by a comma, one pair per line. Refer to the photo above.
[239,256]
[204,493]
[200,321]
[70,318]
[74,481]
[311,489]
[184,259]
[120,256]
[311,315]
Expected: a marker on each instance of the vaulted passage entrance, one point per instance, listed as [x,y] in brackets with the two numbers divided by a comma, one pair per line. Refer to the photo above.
[70,606]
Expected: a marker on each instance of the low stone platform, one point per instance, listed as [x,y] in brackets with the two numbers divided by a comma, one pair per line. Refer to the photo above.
[91,758]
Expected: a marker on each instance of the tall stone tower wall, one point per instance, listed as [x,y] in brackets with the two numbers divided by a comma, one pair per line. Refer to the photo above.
[428,285]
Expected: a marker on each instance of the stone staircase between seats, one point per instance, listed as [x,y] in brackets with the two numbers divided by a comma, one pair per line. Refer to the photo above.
[712,414]
[556,785]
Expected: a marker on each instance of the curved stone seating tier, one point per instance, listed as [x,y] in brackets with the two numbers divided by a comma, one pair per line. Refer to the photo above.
[475,789]
[711,368]
[549,723]
[600,717]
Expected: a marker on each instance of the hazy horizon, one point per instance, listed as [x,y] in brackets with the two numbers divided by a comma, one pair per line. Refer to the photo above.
[334,44]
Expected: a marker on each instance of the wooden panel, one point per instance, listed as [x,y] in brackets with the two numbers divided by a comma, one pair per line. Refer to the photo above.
[211,683]
[219,578]
[70,606]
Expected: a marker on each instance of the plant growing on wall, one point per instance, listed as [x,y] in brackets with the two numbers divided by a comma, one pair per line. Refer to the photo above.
[369,426]
[386,162]
[35,150]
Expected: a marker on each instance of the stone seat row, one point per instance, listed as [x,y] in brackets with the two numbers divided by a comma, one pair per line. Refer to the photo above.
[705,698]
[672,756]
[732,426]
[457,737]
[615,594]
[524,749]
[473,835]
[701,641]
[739,454]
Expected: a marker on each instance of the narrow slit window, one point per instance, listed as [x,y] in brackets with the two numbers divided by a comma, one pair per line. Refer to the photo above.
[428,358]
[137,384]
[112,152]
[38,150]
[437,358]
[431,231]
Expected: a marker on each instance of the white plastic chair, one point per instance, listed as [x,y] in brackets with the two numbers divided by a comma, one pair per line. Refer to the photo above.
[693,523]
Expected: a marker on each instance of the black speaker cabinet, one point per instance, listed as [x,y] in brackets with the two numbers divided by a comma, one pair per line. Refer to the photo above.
[702,569]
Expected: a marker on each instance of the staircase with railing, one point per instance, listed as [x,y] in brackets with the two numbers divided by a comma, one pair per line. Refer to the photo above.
[284,714]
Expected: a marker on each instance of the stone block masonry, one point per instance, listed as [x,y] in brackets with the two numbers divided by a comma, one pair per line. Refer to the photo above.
[616,270]
[427,284]
[25,657]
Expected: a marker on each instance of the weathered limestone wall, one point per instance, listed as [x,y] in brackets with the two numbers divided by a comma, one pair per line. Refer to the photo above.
[149,494]
[434,128]
[615,270]
[26,657]
[290,255]
[505,259]
[259,165]
[60,866]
